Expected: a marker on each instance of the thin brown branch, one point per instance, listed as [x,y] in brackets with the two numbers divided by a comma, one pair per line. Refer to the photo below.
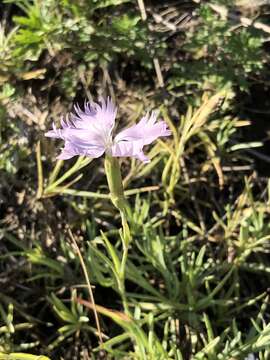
[88,284]
[142,9]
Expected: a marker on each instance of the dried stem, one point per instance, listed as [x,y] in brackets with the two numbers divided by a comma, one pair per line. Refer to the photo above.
[142,10]
[88,284]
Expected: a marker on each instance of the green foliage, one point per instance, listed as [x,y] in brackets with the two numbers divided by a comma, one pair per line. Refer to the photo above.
[13,143]
[77,26]
[8,331]
[197,268]
[219,53]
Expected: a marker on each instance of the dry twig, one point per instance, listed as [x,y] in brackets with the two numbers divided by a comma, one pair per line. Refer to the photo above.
[88,284]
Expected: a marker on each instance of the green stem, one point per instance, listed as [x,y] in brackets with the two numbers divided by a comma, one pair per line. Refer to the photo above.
[115,183]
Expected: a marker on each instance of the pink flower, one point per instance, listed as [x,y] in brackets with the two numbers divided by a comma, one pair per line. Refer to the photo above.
[90,133]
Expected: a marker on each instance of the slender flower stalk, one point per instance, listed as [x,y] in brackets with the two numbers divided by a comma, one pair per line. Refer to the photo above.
[90,133]
[114,179]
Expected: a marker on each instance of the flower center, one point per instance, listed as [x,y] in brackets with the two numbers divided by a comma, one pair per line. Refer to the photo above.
[108,142]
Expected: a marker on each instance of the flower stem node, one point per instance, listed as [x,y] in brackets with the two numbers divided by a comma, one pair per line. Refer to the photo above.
[114,178]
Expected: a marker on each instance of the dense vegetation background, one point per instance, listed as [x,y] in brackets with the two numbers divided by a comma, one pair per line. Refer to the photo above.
[198,266]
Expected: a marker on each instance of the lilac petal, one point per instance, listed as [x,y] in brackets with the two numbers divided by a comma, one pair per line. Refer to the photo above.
[67,152]
[106,112]
[86,132]
[98,116]
[141,156]
[147,130]
[129,149]
[54,133]
[70,151]
[130,141]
